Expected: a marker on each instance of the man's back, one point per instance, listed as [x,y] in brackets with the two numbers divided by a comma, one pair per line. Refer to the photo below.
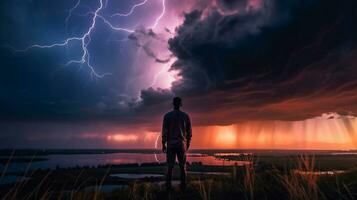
[176,129]
[176,138]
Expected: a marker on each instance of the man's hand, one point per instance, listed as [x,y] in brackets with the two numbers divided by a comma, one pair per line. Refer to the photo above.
[164,147]
[187,145]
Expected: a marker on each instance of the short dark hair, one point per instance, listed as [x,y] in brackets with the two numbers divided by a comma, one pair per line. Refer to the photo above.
[177,102]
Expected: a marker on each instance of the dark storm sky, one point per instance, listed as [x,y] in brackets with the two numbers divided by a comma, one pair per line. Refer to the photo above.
[236,61]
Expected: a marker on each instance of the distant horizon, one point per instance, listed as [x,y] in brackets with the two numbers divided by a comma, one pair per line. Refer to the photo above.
[191,149]
[253,99]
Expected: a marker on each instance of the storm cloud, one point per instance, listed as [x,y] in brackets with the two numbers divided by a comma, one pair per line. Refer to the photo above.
[237,61]
[288,60]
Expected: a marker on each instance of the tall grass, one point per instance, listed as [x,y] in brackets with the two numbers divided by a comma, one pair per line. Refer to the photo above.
[302,185]
[249,181]
[205,189]
[243,183]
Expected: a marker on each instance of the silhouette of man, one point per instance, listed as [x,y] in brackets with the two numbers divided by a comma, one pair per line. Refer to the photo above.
[176,138]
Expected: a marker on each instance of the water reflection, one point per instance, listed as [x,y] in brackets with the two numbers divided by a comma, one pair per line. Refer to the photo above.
[233,154]
[320,173]
[136,176]
[343,153]
[92,160]
[209,173]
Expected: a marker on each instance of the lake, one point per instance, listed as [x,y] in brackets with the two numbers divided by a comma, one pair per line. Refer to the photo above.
[92,160]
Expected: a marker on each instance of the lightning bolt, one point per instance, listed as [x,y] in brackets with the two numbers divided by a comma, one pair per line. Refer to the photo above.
[156,77]
[155,24]
[85,39]
[160,16]
[156,141]
[70,11]
[115,28]
[153,27]
[157,20]
[131,10]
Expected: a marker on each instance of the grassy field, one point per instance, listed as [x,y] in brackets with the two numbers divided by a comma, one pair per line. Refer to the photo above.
[268,177]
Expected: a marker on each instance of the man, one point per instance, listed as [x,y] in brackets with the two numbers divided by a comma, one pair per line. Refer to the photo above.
[176,138]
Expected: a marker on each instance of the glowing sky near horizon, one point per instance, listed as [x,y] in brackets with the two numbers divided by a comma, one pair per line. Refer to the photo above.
[316,133]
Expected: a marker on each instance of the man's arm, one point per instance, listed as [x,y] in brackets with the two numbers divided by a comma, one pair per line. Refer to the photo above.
[188,132]
[164,134]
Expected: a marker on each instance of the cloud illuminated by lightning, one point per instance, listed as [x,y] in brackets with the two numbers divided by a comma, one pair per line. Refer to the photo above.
[164,69]
[156,22]
[85,38]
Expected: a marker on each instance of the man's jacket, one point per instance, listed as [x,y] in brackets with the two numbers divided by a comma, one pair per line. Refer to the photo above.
[176,129]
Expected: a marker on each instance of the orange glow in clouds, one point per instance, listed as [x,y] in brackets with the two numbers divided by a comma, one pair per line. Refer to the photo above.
[122,137]
[129,140]
[326,132]
[317,133]
[226,136]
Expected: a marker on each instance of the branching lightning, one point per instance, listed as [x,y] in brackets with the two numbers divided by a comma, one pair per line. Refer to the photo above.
[156,22]
[85,39]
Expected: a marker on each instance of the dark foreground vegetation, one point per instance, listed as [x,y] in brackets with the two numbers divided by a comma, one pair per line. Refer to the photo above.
[299,177]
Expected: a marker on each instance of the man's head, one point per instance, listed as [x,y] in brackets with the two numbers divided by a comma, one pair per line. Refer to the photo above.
[177,102]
